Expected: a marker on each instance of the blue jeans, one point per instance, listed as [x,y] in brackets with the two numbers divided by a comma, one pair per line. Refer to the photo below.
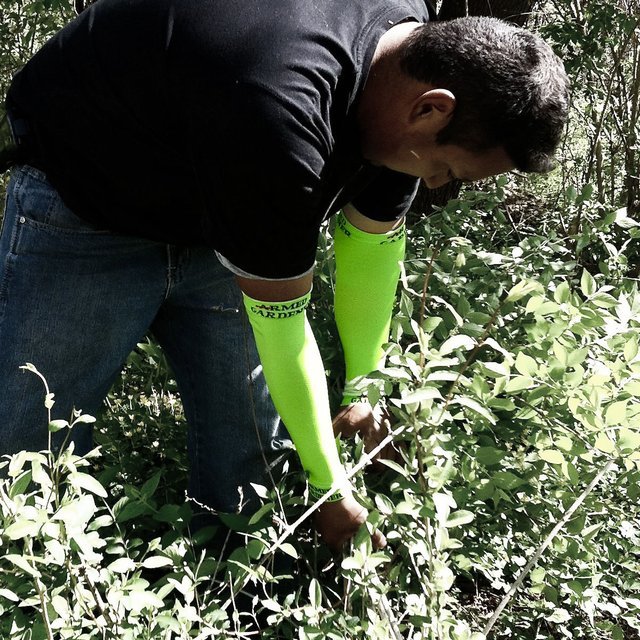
[75,300]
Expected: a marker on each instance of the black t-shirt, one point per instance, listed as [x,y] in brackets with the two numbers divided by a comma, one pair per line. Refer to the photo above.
[224,123]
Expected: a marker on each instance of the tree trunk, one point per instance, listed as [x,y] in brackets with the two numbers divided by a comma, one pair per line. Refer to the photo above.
[515,11]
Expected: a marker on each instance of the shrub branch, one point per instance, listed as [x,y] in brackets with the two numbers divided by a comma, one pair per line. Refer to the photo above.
[545,543]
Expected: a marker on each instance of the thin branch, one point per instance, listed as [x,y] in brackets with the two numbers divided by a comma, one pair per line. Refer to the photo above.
[387,612]
[547,541]
[423,299]
[290,529]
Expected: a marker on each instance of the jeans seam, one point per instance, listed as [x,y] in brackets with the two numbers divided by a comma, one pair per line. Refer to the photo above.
[7,274]
[170,272]
[196,467]
[250,391]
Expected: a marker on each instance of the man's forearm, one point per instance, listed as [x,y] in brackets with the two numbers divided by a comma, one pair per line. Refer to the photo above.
[295,376]
[367,271]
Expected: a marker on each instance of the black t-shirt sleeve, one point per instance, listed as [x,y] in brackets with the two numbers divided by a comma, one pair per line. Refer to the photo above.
[263,185]
[387,197]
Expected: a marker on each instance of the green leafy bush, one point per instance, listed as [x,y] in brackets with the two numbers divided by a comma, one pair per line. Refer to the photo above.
[513,377]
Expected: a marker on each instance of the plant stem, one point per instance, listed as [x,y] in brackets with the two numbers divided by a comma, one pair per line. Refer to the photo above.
[41,591]
[546,542]
[366,459]
[423,299]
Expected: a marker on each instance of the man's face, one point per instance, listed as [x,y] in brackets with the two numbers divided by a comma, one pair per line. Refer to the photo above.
[403,136]
[438,164]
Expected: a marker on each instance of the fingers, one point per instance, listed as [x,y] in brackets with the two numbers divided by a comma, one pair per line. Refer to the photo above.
[378,540]
[338,522]
[352,419]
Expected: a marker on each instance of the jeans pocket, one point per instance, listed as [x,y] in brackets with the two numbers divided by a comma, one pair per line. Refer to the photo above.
[39,204]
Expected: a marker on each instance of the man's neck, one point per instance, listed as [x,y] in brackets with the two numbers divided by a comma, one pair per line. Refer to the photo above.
[385,86]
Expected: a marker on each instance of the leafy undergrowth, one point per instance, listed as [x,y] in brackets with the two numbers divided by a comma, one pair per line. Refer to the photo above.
[513,378]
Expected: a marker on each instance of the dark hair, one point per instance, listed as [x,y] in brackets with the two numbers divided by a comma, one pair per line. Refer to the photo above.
[511,89]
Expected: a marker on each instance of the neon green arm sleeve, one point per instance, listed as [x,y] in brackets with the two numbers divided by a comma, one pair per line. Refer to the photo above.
[367,271]
[295,376]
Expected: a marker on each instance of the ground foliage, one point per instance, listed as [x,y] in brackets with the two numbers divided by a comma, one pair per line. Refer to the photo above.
[513,375]
[513,378]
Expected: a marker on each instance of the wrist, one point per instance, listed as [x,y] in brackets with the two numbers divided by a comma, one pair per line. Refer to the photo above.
[342,490]
[353,394]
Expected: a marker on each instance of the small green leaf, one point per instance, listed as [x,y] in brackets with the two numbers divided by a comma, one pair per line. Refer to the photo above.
[630,349]
[519,383]
[475,406]
[9,595]
[131,510]
[522,289]
[352,563]
[624,221]
[60,605]
[154,562]
[587,192]
[537,575]
[575,586]
[562,293]
[576,525]
[421,395]
[395,466]
[443,503]
[150,486]
[552,456]
[526,365]
[271,605]
[22,563]
[534,303]
[604,443]
[22,528]
[628,440]
[290,550]
[20,485]
[261,512]
[507,480]
[122,565]
[577,357]
[616,413]
[559,616]
[315,593]
[58,425]
[604,301]
[460,341]
[560,352]
[443,578]
[459,518]
[587,284]
[254,549]
[489,456]
[89,483]
[496,369]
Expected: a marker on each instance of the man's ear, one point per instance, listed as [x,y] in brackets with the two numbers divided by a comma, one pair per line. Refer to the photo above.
[435,106]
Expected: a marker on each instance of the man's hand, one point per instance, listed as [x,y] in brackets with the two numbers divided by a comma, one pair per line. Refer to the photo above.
[372,426]
[338,522]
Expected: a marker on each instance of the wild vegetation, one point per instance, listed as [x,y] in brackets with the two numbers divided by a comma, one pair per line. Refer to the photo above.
[513,381]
